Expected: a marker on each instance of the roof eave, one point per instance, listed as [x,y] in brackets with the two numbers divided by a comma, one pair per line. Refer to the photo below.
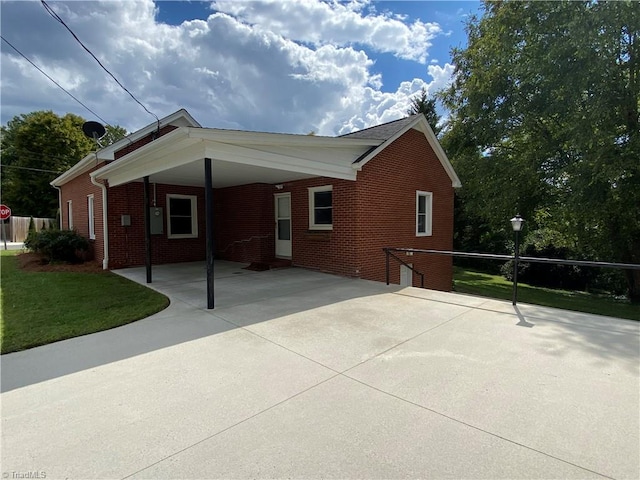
[79,168]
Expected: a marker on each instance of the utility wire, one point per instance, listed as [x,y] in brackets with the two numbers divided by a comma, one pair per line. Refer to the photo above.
[57,18]
[58,172]
[59,86]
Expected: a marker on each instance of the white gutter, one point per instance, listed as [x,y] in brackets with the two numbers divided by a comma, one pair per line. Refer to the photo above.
[105,225]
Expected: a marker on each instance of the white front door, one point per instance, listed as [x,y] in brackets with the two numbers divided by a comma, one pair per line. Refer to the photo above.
[406,276]
[283,225]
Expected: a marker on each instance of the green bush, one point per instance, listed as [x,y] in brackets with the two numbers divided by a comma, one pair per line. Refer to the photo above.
[31,232]
[58,245]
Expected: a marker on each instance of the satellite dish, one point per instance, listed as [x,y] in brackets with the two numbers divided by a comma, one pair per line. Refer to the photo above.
[93,130]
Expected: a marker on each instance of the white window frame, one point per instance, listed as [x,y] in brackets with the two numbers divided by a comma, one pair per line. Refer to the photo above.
[194,216]
[70,214]
[92,218]
[428,223]
[312,207]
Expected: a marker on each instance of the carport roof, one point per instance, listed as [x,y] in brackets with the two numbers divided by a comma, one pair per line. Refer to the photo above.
[239,157]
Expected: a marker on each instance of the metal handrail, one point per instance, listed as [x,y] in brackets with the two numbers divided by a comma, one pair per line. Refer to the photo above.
[388,254]
[517,258]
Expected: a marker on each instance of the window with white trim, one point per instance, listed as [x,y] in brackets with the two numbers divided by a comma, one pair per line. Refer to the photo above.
[69,214]
[321,208]
[90,214]
[424,206]
[182,216]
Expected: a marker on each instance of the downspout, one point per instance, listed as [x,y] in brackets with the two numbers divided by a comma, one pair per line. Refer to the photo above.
[105,225]
[59,205]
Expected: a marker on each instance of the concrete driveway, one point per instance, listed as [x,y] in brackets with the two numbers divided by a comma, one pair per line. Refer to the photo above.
[298,374]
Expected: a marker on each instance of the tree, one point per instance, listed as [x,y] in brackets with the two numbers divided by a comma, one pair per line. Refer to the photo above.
[545,122]
[36,148]
[114,133]
[427,106]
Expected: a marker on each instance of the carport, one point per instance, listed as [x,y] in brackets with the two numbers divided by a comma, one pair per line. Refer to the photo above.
[214,158]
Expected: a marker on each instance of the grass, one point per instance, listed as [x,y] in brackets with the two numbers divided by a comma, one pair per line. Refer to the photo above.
[43,307]
[495,286]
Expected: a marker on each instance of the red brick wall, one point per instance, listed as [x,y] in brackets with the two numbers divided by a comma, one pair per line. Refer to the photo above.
[143,141]
[333,250]
[244,228]
[127,245]
[77,191]
[386,209]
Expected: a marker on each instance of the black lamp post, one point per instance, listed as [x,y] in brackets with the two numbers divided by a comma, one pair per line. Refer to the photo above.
[516,223]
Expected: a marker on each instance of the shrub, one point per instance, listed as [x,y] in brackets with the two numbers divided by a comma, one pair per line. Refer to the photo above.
[59,245]
[569,277]
[31,232]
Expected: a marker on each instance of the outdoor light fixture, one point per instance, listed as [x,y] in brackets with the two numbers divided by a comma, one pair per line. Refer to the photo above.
[516,223]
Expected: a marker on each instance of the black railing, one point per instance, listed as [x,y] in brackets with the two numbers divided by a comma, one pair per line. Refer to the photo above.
[389,254]
[490,256]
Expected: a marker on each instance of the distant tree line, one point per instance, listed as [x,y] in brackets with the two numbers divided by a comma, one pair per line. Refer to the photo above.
[37,147]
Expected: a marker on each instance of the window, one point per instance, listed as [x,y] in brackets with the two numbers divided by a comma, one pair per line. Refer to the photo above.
[321,208]
[424,202]
[182,216]
[69,215]
[92,231]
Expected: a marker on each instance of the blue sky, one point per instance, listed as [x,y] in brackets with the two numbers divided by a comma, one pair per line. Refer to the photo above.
[290,66]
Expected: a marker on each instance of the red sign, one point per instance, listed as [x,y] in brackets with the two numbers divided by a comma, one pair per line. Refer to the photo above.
[5,212]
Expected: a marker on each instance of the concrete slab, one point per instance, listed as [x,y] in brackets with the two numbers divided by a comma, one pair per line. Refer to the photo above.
[306,375]
[359,321]
[569,389]
[113,420]
[343,429]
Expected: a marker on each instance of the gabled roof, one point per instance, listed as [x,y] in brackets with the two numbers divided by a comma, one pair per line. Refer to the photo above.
[181,118]
[390,132]
[300,154]
[239,157]
[382,132]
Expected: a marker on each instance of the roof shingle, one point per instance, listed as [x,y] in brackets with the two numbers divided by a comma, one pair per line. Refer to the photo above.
[384,131]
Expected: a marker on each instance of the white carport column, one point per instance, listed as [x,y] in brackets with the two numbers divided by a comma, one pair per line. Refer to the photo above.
[208,200]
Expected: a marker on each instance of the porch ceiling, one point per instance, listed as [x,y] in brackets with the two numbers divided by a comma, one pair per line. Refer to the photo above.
[225,174]
[238,158]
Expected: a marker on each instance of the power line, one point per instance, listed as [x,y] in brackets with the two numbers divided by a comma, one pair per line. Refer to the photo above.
[58,172]
[59,86]
[57,18]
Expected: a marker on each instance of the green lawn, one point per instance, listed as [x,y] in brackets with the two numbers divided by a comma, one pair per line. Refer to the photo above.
[43,307]
[495,286]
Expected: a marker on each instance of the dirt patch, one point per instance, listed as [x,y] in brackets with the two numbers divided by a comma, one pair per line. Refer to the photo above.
[32,262]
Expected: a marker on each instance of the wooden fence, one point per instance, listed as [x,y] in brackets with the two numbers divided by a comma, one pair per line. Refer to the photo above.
[17,228]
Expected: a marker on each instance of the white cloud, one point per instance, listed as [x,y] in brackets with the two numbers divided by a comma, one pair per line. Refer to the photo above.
[246,66]
[319,23]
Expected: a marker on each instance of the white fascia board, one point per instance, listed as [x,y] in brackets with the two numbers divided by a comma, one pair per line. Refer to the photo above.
[144,131]
[160,148]
[151,166]
[84,165]
[421,124]
[107,153]
[248,156]
[239,137]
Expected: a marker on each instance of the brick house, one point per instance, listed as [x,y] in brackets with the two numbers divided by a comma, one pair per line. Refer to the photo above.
[326,203]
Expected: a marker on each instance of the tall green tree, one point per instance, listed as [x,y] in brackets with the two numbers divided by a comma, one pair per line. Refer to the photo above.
[36,147]
[421,103]
[545,122]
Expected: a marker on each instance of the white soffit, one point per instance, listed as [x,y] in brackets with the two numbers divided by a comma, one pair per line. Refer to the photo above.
[260,157]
